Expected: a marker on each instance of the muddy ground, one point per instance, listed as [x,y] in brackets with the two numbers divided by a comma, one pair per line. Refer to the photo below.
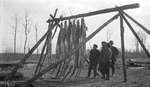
[136,77]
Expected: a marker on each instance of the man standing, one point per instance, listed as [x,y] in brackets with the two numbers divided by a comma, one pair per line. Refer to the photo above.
[104,60]
[115,52]
[94,55]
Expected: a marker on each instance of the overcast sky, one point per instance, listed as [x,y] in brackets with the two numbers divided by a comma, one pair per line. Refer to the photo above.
[39,10]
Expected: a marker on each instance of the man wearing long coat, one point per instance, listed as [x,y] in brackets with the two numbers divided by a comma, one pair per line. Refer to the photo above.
[93,57]
[104,60]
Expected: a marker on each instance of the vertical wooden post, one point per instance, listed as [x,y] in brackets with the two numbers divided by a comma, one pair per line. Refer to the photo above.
[39,62]
[122,47]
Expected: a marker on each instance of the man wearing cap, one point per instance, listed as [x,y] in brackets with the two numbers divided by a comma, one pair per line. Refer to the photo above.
[93,58]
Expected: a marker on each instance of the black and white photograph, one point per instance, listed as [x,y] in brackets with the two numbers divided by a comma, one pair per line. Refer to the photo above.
[74,43]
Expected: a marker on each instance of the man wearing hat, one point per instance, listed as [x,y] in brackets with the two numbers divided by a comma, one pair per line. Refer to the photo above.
[104,60]
[93,59]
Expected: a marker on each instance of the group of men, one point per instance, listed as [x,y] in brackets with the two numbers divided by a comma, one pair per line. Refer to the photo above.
[102,60]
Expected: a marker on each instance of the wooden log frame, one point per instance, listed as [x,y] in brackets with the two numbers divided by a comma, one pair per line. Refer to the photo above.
[122,40]
[45,70]
[125,7]
[94,13]
[135,34]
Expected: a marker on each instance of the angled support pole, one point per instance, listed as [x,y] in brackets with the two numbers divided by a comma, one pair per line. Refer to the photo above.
[122,46]
[136,22]
[54,32]
[137,37]
[45,70]
[42,56]
[47,45]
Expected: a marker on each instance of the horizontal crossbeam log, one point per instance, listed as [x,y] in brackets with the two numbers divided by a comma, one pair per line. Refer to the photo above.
[125,7]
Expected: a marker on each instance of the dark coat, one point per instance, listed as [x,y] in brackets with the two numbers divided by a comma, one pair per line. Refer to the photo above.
[115,52]
[94,56]
[105,55]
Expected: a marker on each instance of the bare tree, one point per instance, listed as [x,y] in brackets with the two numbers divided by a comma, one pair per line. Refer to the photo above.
[143,37]
[137,44]
[26,28]
[108,34]
[15,27]
[36,36]
[7,53]
[15,36]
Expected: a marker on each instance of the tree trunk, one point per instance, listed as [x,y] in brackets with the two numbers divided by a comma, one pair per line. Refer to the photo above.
[36,37]
[16,26]
[25,42]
